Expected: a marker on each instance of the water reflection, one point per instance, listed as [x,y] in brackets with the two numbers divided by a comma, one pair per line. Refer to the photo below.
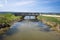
[27,29]
[44,27]
[13,29]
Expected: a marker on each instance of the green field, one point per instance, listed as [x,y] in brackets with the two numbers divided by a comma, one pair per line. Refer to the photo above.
[53,22]
[51,19]
[7,19]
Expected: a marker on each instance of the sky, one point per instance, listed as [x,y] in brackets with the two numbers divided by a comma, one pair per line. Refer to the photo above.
[30,5]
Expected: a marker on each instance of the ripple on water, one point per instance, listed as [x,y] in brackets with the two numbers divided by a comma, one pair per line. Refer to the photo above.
[29,30]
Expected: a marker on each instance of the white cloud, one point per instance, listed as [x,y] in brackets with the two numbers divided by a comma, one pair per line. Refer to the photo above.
[6,1]
[43,2]
[1,5]
[47,1]
[22,3]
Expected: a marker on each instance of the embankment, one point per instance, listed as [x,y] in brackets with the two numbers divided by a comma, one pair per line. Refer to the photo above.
[6,20]
[53,22]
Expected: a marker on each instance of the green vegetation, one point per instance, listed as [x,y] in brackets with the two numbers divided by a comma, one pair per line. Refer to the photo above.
[53,22]
[8,18]
[51,19]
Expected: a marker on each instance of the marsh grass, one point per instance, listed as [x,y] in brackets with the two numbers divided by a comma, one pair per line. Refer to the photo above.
[53,22]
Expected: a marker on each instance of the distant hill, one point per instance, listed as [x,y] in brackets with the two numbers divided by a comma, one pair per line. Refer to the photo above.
[31,12]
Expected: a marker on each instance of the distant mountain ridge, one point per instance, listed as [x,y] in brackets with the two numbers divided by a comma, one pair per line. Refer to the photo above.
[31,12]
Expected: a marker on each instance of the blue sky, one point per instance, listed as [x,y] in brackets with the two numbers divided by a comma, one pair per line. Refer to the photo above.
[30,5]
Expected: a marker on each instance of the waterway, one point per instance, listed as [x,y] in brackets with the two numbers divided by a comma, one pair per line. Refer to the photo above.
[30,30]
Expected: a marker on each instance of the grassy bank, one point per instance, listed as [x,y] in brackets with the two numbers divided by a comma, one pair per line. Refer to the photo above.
[6,20]
[53,22]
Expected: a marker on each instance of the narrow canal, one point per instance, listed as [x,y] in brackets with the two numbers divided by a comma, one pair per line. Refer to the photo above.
[30,30]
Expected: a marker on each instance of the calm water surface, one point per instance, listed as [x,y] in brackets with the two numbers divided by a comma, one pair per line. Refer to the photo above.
[30,30]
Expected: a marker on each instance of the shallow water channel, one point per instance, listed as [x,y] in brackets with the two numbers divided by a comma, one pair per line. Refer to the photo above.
[30,30]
